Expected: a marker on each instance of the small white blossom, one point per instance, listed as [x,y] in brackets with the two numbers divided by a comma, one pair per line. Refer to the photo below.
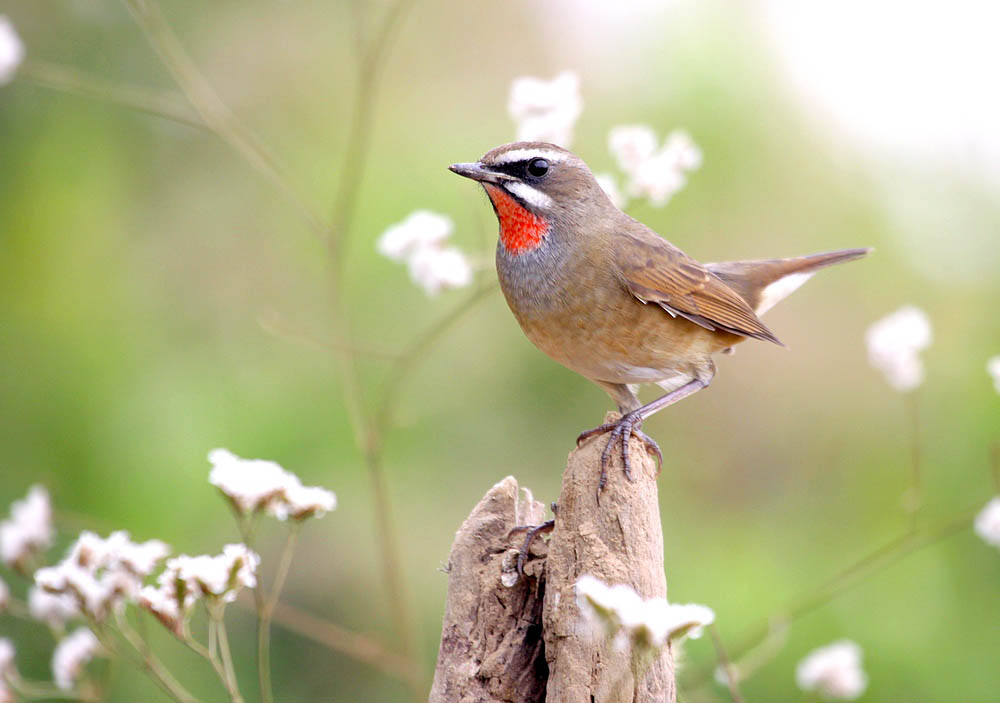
[987,523]
[11,50]
[833,671]
[435,269]
[251,484]
[52,608]
[29,528]
[648,624]
[102,575]
[631,145]
[257,484]
[4,596]
[219,576]
[420,230]
[7,653]
[71,656]
[894,344]
[305,501]
[993,369]
[610,188]
[546,111]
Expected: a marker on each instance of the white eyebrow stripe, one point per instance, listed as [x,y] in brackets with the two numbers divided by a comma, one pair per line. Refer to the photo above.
[532,196]
[516,155]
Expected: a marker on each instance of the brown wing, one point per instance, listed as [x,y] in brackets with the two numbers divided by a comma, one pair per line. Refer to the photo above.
[656,271]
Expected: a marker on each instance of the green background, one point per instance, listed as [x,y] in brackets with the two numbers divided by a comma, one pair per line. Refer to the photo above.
[138,259]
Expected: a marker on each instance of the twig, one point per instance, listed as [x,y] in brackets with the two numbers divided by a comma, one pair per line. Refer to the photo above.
[846,579]
[264,616]
[151,664]
[213,111]
[228,673]
[71,80]
[732,680]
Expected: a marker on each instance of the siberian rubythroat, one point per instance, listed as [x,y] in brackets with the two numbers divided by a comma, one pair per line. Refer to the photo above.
[607,297]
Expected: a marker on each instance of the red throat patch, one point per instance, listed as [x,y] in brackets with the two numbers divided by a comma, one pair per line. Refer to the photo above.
[520,230]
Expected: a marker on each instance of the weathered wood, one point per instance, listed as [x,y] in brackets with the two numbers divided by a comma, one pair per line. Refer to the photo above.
[524,641]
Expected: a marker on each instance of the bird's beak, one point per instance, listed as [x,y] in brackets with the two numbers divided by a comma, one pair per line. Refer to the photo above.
[478,172]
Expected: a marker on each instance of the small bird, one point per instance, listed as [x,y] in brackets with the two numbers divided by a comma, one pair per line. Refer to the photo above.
[607,297]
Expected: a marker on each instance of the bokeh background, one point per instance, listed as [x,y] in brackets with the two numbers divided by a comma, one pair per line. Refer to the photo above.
[159,299]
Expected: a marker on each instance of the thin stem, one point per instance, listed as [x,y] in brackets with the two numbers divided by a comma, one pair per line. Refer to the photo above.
[264,615]
[152,665]
[914,495]
[732,679]
[339,639]
[228,671]
[71,80]
[213,111]
[877,561]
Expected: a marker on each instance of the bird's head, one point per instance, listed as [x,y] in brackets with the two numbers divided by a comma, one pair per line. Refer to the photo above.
[535,186]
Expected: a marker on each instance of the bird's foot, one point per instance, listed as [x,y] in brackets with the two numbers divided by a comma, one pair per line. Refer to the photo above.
[621,432]
[531,532]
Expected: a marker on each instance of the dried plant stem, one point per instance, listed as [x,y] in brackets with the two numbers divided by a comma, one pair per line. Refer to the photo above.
[71,80]
[148,662]
[213,111]
[223,661]
[732,679]
[264,611]
[871,564]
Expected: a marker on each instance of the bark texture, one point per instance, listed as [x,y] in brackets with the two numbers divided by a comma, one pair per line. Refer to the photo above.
[524,641]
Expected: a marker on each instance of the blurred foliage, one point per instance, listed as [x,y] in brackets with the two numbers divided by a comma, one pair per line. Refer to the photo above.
[140,256]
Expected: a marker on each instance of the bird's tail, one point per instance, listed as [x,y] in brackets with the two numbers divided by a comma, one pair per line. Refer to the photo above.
[765,282]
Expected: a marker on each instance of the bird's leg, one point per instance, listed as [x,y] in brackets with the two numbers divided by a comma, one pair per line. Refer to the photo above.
[630,423]
[531,531]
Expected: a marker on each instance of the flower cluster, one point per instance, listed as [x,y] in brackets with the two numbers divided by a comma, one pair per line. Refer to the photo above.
[186,579]
[71,655]
[833,671]
[97,576]
[28,531]
[647,624]
[11,50]
[254,485]
[419,241]
[546,111]
[651,170]
[894,345]
[987,523]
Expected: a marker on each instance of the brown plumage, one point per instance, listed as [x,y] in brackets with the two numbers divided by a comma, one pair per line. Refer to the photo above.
[607,297]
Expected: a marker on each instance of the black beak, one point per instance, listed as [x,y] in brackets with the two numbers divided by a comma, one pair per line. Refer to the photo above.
[478,172]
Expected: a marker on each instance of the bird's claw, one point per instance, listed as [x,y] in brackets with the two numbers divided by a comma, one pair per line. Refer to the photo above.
[531,531]
[621,432]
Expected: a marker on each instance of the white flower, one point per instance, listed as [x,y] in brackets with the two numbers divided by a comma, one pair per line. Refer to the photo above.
[257,484]
[648,624]
[305,501]
[546,111]
[71,655]
[54,609]
[987,523]
[11,50]
[421,229]
[610,188]
[102,575]
[29,528]
[435,269]
[993,369]
[653,173]
[833,671]
[894,343]
[220,576]
[4,596]
[631,145]
[6,657]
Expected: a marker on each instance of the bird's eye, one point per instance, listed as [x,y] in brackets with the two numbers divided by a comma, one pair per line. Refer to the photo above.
[538,168]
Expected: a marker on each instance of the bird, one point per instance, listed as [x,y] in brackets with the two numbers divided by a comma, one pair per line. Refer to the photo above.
[607,297]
